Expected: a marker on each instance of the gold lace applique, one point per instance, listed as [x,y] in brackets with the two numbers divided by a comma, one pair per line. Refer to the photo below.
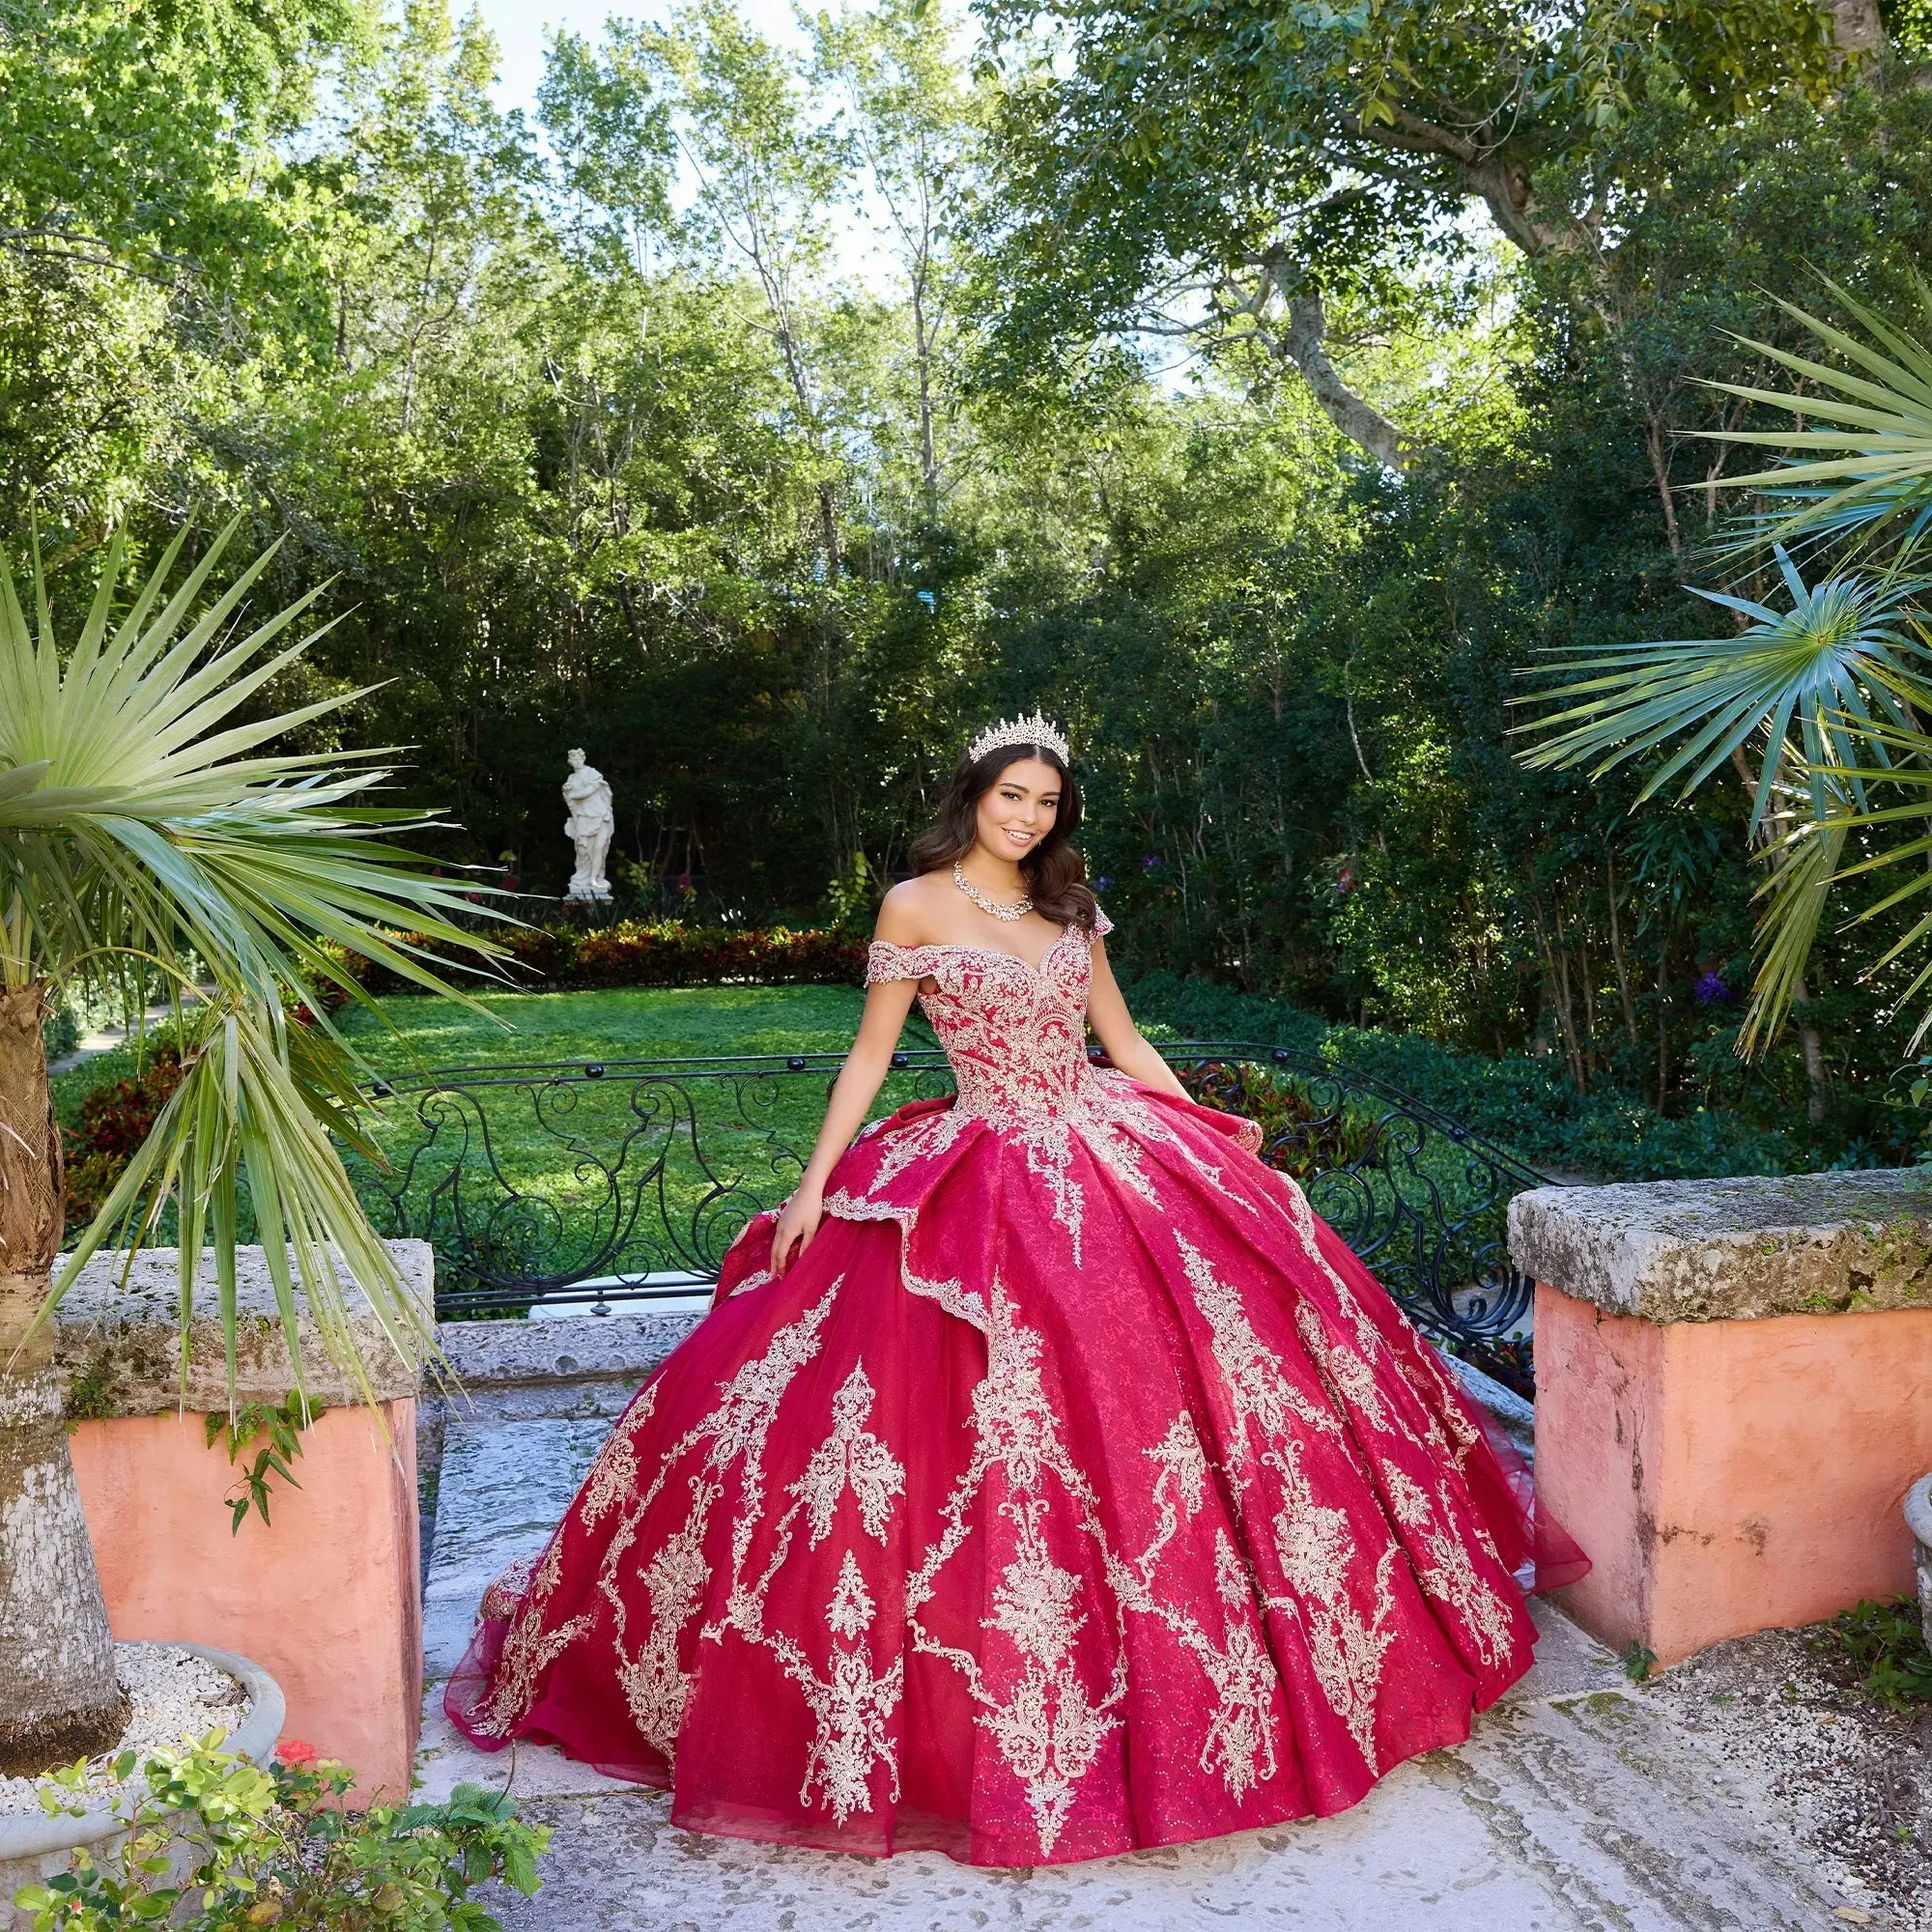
[676,1576]
[851,1707]
[853,1457]
[1180,1455]
[614,1475]
[1048,1726]
[1313,1543]
[528,1650]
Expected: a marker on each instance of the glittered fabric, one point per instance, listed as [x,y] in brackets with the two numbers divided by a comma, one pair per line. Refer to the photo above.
[1076,1491]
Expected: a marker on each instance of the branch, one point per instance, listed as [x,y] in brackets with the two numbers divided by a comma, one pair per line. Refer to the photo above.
[1301,342]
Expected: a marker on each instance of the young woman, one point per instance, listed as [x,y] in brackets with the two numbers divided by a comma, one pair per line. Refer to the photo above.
[1047,1480]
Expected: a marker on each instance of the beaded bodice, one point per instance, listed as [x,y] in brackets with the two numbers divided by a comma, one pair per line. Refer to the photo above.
[1015,1034]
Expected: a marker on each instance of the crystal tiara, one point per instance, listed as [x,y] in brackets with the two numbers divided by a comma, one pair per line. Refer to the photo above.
[1034,730]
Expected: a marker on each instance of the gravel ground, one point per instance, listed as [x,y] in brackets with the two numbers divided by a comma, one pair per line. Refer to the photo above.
[176,1696]
[1851,1778]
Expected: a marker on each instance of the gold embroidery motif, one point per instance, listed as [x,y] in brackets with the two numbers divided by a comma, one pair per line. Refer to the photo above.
[853,1457]
[850,1707]
[1048,1726]
[528,1650]
[1313,1543]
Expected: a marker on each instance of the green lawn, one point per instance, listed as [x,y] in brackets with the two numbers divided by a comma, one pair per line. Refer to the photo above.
[415,1032]
[521,1169]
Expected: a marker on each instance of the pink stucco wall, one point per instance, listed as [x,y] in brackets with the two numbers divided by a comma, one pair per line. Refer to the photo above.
[1729,1476]
[325,1597]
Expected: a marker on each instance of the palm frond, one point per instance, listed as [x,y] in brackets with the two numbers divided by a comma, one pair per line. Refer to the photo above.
[1813,681]
[142,816]
[1869,462]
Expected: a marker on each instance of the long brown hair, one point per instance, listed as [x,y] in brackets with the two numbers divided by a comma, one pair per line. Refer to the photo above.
[1055,873]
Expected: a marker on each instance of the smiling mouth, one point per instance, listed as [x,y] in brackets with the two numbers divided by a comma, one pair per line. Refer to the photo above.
[1020,837]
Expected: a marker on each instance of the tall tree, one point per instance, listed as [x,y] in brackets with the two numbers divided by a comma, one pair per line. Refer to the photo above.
[1234,170]
[766,175]
[910,120]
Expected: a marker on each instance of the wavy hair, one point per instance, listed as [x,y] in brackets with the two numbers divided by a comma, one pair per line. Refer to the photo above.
[1055,873]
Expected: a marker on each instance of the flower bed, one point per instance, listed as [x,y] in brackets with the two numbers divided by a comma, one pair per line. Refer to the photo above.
[669,954]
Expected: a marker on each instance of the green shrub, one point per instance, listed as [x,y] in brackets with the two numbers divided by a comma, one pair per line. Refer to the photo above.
[61,1033]
[1884,1642]
[1521,1101]
[663,954]
[271,1848]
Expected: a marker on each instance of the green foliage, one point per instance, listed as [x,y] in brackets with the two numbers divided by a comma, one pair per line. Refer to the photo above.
[216,1844]
[585,459]
[1884,1642]
[62,1032]
[282,1422]
[1638,1659]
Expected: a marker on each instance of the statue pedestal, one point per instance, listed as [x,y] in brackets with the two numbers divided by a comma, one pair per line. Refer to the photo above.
[600,910]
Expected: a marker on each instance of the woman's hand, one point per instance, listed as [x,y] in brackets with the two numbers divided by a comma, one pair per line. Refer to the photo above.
[798,1222]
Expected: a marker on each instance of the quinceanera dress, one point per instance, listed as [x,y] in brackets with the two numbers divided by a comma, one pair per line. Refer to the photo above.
[1076,1490]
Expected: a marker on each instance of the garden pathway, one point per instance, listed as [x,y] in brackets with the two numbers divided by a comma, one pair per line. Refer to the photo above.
[1577,1805]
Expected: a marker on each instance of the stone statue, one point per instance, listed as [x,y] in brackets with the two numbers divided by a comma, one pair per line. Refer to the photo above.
[590,828]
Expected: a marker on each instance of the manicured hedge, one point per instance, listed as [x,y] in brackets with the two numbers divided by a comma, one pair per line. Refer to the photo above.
[671,954]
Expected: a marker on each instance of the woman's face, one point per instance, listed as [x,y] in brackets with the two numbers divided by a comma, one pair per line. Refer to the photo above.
[1017,811]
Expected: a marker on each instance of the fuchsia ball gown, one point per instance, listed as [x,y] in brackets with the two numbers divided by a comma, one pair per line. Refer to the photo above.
[1077,1489]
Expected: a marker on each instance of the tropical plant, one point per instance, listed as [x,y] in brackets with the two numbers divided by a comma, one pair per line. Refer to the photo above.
[1829,690]
[144,826]
[272,1847]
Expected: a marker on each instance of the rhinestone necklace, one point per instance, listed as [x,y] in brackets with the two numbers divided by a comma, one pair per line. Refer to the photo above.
[1017,909]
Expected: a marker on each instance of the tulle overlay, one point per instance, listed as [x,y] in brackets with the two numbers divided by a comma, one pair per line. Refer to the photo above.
[1077,1489]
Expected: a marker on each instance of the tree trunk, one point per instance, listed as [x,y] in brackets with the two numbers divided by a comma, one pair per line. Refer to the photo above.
[1817,1075]
[59,1696]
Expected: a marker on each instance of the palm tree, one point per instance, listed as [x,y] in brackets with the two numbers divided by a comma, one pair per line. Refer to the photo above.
[144,830]
[1819,701]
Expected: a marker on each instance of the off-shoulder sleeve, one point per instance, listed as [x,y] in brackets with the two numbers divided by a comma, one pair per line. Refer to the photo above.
[1102,924]
[886,961]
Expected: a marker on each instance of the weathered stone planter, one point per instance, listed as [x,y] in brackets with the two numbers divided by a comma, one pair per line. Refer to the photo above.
[33,1849]
[1731,1395]
[326,1595]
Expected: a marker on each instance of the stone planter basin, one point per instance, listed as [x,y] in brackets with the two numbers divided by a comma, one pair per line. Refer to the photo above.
[34,1849]
[1919,1521]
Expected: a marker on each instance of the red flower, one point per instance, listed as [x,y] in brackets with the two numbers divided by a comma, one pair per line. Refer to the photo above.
[295,1754]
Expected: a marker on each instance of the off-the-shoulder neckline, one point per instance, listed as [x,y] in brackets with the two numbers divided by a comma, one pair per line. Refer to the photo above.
[988,951]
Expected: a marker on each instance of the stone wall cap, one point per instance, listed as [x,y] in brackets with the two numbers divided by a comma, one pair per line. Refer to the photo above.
[624,1346]
[1735,1249]
[117,1347]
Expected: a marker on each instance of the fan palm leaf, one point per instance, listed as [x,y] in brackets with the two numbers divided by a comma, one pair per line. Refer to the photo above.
[1860,455]
[1812,680]
[1823,690]
[145,816]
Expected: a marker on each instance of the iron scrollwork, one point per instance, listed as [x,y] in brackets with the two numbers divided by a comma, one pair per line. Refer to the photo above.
[595,1182]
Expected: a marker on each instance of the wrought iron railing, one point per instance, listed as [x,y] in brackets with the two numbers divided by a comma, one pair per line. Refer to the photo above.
[626,1180]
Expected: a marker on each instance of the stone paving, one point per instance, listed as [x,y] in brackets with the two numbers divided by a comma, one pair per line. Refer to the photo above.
[1577,1807]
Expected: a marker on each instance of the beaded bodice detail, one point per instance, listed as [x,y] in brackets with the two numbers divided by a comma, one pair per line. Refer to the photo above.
[1015,1034]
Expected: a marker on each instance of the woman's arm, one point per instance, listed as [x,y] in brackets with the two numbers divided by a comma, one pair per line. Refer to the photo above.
[852,1096]
[1114,1027]
[861,1077]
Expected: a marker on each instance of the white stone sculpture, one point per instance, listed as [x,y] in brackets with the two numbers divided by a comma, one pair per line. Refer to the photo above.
[590,828]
